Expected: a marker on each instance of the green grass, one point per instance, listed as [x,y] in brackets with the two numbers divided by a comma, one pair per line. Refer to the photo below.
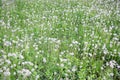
[60,40]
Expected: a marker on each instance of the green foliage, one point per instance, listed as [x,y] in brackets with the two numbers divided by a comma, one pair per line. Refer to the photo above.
[60,40]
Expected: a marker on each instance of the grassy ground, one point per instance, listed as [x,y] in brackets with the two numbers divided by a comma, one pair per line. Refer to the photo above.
[60,40]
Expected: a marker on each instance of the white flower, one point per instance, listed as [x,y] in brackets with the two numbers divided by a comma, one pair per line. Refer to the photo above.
[74,68]
[6,72]
[2,51]
[111,74]
[14,73]
[71,53]
[1,70]
[69,63]
[61,79]
[102,68]
[75,42]
[1,63]
[32,69]
[12,55]
[118,66]
[36,56]
[37,77]
[8,61]
[90,54]
[27,63]
[4,56]
[63,60]
[57,64]
[62,52]
[44,60]
[112,63]
[25,72]
[55,73]
[36,66]
[21,56]
[7,43]
[68,71]
[71,45]
[62,65]
[76,29]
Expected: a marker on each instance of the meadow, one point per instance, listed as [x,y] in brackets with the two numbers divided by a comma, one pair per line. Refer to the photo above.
[59,40]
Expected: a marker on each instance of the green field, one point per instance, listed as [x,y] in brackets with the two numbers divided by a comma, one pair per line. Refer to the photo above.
[59,40]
